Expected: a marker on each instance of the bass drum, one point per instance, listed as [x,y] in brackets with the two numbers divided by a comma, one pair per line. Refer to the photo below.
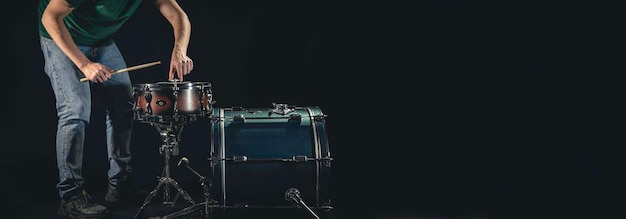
[260,156]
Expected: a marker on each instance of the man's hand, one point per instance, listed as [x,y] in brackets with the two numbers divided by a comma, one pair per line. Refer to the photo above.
[96,72]
[180,65]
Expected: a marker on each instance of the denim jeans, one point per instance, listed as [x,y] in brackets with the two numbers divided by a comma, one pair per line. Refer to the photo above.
[73,105]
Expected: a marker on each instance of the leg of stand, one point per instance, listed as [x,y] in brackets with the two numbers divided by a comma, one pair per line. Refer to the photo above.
[150,196]
[187,211]
[166,192]
[163,181]
[203,207]
[182,192]
[166,180]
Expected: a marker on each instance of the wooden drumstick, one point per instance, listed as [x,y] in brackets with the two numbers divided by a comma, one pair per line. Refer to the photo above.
[129,69]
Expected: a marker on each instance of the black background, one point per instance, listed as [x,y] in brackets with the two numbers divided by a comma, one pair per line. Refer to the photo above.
[434,107]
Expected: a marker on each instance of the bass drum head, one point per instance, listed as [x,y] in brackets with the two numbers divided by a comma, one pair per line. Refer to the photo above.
[258,155]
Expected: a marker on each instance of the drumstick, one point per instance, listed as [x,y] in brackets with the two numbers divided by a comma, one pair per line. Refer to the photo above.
[129,69]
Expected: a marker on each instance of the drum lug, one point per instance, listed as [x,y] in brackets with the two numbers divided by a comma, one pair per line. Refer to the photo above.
[214,160]
[299,158]
[148,97]
[239,118]
[240,158]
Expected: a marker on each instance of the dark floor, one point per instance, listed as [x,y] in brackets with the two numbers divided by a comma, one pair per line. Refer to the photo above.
[47,210]
[46,207]
[181,209]
[406,208]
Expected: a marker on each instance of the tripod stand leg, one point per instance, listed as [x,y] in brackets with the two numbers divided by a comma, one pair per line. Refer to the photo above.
[150,196]
[182,192]
[187,210]
[203,207]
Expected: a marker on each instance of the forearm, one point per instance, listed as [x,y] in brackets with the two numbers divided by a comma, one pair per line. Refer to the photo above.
[182,33]
[61,36]
[179,21]
[180,63]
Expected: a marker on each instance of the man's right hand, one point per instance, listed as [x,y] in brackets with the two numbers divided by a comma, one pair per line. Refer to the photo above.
[96,72]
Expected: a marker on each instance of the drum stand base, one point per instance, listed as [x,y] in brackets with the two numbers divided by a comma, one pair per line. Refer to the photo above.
[204,207]
[169,147]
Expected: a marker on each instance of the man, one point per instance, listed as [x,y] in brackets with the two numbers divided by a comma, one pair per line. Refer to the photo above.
[76,38]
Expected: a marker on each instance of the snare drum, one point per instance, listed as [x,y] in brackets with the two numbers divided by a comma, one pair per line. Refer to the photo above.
[164,101]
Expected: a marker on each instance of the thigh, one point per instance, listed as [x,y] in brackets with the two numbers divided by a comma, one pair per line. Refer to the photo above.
[72,96]
[118,89]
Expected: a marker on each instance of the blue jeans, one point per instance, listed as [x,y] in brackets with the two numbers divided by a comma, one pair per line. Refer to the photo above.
[73,105]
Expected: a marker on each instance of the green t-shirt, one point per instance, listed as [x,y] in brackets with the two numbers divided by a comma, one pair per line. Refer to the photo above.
[93,22]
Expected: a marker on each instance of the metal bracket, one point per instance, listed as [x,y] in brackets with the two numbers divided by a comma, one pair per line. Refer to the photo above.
[239,118]
[281,108]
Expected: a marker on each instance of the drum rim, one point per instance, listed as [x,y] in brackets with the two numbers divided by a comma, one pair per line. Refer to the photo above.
[169,85]
[183,83]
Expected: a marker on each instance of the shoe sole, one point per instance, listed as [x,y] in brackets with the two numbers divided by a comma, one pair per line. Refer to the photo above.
[73,215]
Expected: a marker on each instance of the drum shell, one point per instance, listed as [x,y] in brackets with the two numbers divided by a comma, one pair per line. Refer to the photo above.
[281,152]
[188,97]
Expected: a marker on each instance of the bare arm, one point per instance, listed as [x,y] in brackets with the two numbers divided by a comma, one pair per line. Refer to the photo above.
[52,20]
[180,63]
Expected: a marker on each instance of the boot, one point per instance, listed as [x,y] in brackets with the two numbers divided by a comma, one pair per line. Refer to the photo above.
[81,206]
[125,192]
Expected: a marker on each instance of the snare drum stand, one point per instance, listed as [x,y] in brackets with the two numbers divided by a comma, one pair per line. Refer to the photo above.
[170,133]
[205,207]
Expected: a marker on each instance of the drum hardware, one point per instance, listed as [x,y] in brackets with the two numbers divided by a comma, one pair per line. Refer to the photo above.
[170,134]
[281,108]
[291,139]
[203,207]
[295,159]
[293,195]
[169,106]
